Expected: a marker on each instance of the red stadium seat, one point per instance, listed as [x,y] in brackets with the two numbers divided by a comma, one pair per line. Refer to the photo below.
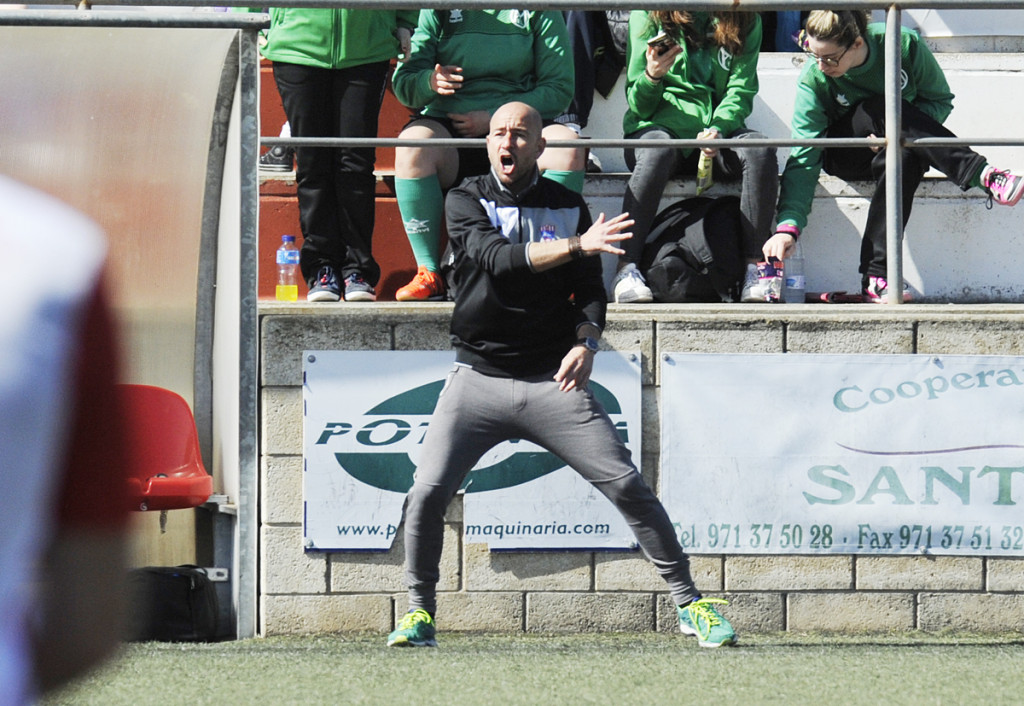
[166,469]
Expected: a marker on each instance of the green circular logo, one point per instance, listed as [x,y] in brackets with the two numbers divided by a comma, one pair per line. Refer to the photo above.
[388,424]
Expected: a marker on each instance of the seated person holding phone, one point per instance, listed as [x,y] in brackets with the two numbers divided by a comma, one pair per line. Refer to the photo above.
[693,75]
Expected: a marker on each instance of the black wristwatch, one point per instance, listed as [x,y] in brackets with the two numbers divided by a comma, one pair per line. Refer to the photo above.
[588,342]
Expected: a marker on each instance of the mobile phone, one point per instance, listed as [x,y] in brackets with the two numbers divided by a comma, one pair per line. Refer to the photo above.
[661,42]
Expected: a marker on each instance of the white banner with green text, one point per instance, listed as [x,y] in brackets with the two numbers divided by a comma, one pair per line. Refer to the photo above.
[365,414]
[874,454]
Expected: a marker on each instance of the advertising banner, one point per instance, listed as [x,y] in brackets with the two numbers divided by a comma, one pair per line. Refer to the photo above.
[861,454]
[365,417]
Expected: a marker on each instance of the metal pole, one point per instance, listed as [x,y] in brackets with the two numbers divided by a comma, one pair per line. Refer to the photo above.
[246,585]
[693,5]
[893,160]
[106,18]
[462,142]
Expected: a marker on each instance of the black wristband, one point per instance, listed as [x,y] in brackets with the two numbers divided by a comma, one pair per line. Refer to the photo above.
[652,79]
[575,248]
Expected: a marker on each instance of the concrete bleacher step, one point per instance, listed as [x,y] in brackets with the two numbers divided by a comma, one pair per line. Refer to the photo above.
[279,215]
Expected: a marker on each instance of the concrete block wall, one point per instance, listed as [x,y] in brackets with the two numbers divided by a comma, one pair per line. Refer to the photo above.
[304,592]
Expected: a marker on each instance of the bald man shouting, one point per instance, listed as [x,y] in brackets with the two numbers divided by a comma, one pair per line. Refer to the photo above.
[529,309]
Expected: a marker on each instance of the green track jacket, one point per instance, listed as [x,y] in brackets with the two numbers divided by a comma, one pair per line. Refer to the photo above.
[506,55]
[821,101]
[334,38]
[706,87]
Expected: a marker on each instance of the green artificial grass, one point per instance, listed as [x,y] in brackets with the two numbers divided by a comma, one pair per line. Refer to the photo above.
[613,669]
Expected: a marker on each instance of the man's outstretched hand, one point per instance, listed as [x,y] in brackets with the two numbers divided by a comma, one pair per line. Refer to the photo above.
[604,235]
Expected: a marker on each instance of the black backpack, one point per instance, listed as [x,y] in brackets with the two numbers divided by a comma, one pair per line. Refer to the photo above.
[172,604]
[694,252]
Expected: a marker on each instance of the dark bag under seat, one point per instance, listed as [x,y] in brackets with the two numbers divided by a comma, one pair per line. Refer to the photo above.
[172,604]
[694,252]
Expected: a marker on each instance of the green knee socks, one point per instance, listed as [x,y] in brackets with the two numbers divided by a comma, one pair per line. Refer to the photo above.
[570,180]
[421,204]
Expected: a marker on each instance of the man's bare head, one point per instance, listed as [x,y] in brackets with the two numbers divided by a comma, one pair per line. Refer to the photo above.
[514,142]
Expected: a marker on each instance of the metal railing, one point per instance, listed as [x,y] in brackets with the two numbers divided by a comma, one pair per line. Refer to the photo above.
[709,5]
[892,140]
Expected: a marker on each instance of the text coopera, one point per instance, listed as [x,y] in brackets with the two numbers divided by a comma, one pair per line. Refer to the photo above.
[855,399]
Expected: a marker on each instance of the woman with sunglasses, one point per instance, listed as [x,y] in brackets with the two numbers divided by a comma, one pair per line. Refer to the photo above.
[693,75]
[841,94]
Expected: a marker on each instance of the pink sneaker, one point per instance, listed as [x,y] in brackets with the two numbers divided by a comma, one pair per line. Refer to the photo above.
[1003,187]
[877,291]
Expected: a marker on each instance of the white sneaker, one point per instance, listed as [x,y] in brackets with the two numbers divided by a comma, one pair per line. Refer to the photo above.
[753,290]
[629,286]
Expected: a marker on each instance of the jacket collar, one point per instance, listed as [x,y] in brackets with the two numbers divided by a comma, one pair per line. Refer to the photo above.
[534,177]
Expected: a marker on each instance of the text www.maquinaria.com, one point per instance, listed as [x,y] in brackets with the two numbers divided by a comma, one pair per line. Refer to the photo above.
[519,529]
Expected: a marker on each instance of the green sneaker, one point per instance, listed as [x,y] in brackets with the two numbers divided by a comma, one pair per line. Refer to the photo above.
[702,619]
[415,629]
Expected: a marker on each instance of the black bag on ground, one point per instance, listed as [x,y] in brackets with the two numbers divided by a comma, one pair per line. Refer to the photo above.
[172,604]
[694,252]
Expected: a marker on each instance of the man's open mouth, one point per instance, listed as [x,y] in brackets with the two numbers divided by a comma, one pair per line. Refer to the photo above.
[508,162]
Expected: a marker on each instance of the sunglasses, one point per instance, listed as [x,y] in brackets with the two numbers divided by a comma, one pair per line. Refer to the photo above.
[830,61]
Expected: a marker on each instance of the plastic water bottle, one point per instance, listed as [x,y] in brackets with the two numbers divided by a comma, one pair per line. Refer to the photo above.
[288,274]
[795,291]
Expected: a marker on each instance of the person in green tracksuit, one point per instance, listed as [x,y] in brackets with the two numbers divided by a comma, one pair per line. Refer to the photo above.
[465,64]
[331,67]
[699,83]
[841,93]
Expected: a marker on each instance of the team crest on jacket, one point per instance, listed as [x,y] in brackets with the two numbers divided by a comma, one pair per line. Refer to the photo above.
[724,58]
[455,16]
[520,18]
[547,232]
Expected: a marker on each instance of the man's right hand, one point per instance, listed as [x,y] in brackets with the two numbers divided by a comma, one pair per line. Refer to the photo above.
[445,80]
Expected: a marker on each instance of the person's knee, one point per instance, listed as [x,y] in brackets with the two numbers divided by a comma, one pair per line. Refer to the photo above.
[657,158]
[644,156]
[631,494]
[566,159]
[426,501]
[761,157]
[415,162]
[569,159]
